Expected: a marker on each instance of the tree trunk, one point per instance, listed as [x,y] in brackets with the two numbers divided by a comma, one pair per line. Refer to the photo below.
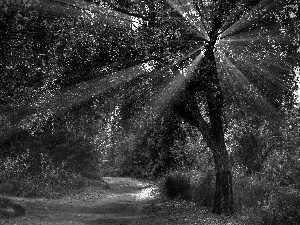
[223,198]
[213,134]
[214,137]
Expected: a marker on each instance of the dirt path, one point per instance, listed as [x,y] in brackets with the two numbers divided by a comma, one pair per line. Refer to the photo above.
[124,203]
[127,202]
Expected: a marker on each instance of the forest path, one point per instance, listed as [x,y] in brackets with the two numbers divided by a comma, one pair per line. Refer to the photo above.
[123,203]
[127,202]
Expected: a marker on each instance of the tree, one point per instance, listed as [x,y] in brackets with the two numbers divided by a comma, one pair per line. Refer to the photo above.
[224,19]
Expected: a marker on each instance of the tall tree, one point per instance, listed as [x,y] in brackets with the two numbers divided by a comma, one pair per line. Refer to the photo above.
[219,24]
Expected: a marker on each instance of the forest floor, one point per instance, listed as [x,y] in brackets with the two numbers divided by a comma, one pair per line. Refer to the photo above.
[127,201]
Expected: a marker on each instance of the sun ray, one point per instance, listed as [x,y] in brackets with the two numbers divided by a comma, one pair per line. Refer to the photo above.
[230,82]
[273,67]
[202,15]
[245,90]
[193,20]
[57,102]
[76,8]
[197,15]
[260,12]
[62,100]
[263,71]
[163,96]
[276,34]
[269,56]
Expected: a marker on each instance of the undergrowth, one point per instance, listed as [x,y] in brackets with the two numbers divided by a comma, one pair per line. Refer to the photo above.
[257,200]
[49,181]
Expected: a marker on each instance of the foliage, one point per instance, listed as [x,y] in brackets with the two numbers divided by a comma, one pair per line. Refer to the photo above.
[203,188]
[265,202]
[251,192]
[51,182]
[282,207]
[176,185]
[62,147]
[45,52]
[161,149]
[252,141]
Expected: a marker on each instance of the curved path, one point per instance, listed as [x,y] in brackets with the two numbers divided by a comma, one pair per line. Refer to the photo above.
[124,203]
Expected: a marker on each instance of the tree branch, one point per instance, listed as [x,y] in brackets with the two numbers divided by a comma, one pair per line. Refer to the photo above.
[189,111]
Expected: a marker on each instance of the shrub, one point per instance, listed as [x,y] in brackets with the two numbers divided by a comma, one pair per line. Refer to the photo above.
[282,208]
[203,189]
[265,202]
[251,191]
[176,185]
[51,181]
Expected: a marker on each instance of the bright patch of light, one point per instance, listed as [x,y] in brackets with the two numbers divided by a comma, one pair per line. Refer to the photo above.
[146,193]
[148,66]
[207,2]
[293,15]
[136,23]
[217,41]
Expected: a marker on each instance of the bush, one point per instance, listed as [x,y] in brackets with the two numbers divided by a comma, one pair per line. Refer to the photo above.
[282,208]
[203,189]
[251,191]
[266,202]
[176,185]
[191,186]
[51,181]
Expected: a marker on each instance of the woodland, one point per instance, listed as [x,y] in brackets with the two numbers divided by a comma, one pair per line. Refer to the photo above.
[199,96]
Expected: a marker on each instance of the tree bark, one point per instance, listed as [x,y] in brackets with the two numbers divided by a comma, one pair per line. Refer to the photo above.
[223,197]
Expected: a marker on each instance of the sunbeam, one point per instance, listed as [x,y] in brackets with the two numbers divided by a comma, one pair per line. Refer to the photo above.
[244,90]
[75,8]
[268,56]
[59,101]
[163,96]
[259,13]
[191,16]
[275,34]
